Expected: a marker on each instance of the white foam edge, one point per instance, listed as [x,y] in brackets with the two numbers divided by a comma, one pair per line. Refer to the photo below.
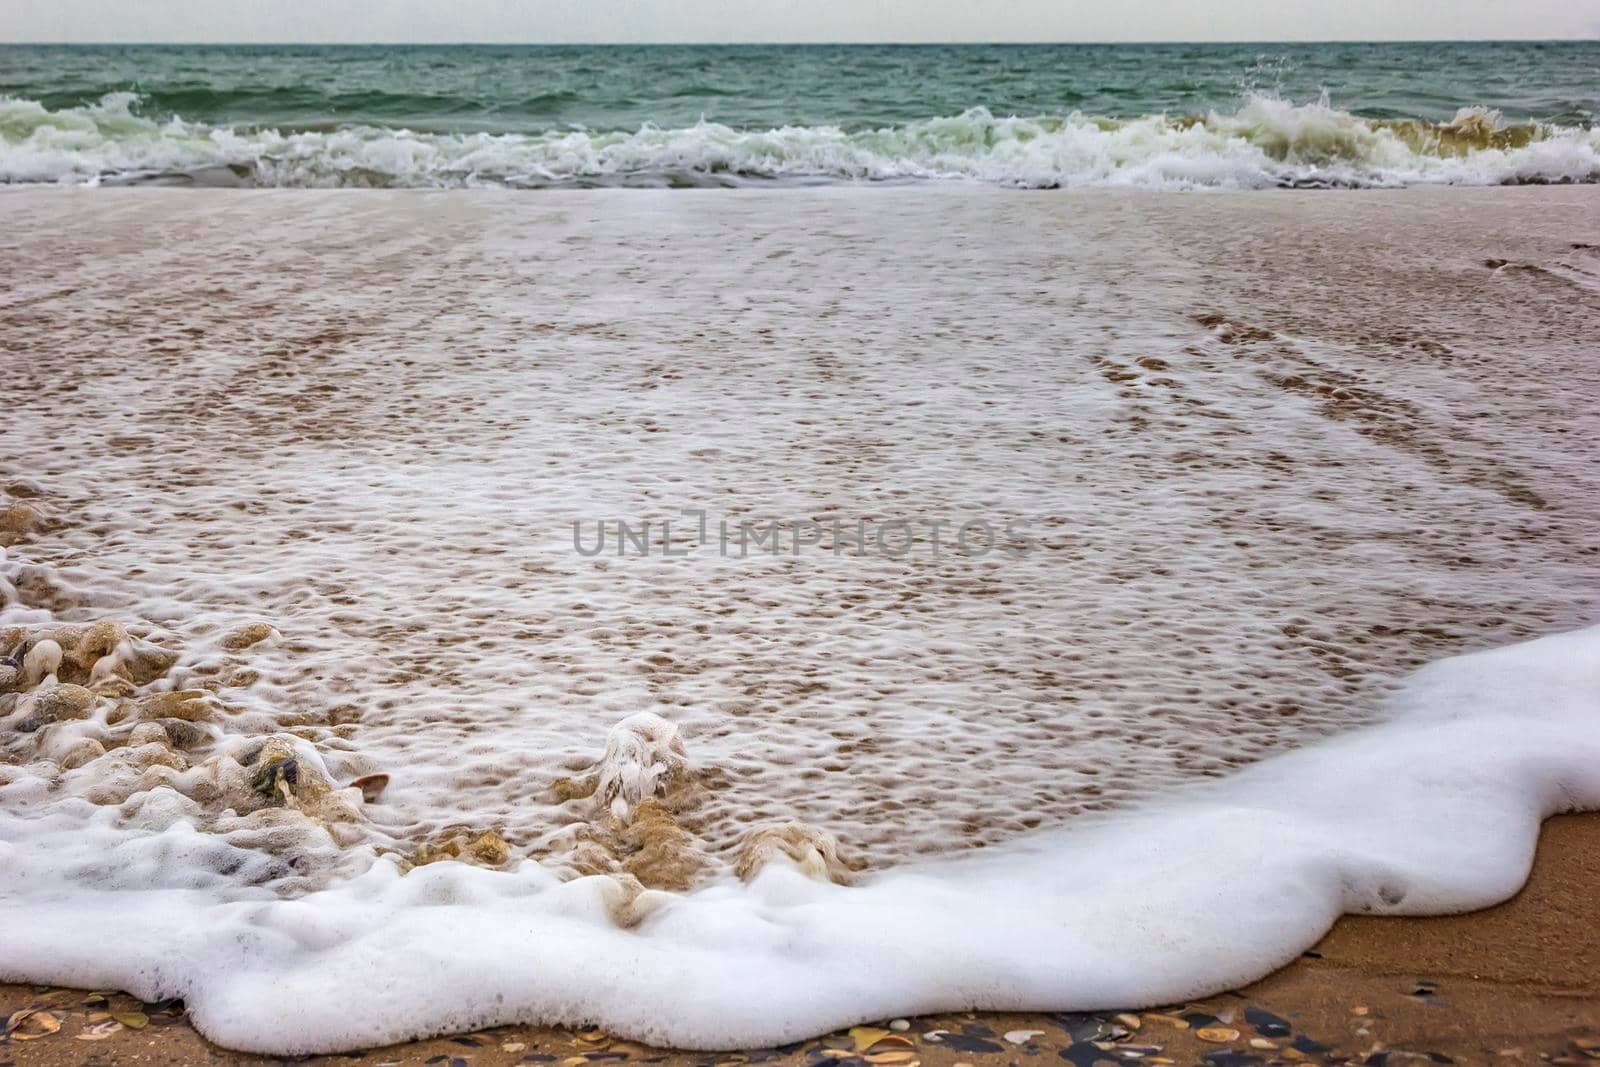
[1434,810]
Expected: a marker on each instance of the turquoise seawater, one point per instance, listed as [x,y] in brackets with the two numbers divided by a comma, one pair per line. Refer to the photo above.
[1030,115]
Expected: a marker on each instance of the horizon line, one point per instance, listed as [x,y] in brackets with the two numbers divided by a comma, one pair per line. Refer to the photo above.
[799,44]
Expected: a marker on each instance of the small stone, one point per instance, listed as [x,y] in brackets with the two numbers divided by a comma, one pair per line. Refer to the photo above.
[155,755]
[19,519]
[148,733]
[64,702]
[146,662]
[114,686]
[1266,1023]
[85,751]
[242,678]
[99,641]
[184,734]
[190,705]
[1262,1043]
[900,1025]
[252,634]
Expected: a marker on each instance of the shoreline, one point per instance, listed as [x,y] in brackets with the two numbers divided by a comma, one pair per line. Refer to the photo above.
[1517,983]
[1298,420]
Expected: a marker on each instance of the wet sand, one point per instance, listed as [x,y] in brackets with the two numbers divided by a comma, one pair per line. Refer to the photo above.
[1408,489]
[1515,984]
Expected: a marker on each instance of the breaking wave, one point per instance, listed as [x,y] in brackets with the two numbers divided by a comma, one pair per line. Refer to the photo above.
[1268,142]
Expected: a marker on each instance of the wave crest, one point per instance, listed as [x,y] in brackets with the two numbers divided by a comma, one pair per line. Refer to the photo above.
[1267,142]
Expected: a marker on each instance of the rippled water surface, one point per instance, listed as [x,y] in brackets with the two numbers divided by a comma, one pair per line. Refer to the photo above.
[1043,115]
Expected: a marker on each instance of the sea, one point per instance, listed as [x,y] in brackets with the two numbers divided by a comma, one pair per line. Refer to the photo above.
[1030,116]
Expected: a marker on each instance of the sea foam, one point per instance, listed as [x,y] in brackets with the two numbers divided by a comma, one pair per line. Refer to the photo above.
[1266,143]
[1435,811]
[314,715]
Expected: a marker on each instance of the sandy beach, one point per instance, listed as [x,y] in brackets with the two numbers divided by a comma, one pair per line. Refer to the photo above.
[300,493]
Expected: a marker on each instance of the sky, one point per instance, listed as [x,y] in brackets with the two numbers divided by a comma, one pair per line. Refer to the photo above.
[535,21]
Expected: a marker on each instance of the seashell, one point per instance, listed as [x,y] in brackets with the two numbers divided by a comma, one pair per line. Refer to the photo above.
[864,1037]
[99,1031]
[30,1023]
[371,786]
[1217,1035]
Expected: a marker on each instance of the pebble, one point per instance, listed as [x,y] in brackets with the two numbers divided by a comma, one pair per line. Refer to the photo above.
[900,1025]
[245,636]
[191,705]
[64,702]
[148,733]
[85,751]
[19,519]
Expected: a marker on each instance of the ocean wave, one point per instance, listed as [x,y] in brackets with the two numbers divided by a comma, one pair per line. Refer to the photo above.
[1267,142]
